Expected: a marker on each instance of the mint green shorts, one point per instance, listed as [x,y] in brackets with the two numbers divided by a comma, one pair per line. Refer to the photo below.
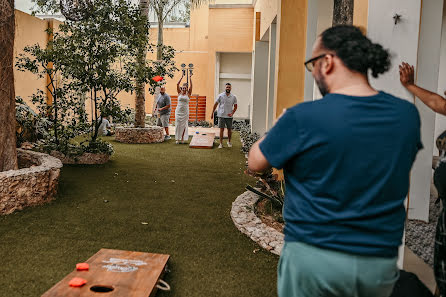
[308,271]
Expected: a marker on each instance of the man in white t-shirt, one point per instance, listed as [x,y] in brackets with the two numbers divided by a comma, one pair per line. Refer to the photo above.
[227,105]
[104,127]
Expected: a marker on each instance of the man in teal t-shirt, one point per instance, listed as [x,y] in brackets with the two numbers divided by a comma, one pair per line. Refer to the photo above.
[346,161]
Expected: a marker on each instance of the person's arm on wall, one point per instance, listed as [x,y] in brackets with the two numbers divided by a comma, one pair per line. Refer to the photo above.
[432,100]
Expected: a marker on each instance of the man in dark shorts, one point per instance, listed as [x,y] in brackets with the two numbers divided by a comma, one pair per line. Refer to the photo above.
[163,107]
[227,105]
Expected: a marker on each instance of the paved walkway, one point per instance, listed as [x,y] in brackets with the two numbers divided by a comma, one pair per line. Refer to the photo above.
[201,130]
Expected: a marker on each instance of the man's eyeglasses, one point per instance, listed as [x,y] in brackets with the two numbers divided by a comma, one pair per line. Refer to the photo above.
[310,63]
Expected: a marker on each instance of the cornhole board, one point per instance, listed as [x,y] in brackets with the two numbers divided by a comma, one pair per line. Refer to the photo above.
[129,274]
[202,141]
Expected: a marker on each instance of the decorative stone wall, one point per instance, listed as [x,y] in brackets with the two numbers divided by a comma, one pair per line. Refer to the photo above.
[245,219]
[151,134]
[85,158]
[34,184]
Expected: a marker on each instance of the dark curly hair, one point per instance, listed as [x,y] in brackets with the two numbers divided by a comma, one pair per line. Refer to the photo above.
[357,52]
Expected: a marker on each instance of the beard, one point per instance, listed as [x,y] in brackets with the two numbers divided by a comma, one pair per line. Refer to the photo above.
[321,84]
[228,91]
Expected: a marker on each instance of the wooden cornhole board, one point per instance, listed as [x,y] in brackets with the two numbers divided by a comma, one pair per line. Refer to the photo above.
[202,141]
[130,274]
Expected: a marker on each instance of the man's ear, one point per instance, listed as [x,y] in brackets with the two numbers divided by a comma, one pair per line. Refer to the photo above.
[328,64]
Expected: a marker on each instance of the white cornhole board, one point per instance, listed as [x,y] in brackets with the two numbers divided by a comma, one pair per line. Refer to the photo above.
[205,141]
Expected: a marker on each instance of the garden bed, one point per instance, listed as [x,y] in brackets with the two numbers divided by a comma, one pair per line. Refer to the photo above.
[34,183]
[245,219]
[151,134]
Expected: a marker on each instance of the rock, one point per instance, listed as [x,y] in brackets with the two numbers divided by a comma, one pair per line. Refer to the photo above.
[85,158]
[35,185]
[246,221]
[151,134]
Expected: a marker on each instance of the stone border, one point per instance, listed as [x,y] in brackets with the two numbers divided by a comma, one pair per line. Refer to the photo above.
[84,159]
[30,186]
[150,134]
[244,218]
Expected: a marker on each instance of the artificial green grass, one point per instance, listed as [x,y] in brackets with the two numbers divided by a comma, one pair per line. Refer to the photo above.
[183,194]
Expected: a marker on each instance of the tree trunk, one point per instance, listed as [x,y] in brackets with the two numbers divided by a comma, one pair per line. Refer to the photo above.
[8,152]
[343,12]
[159,48]
[140,106]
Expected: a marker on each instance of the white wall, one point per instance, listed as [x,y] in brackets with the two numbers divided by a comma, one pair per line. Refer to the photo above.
[241,89]
[440,120]
[235,63]
[427,77]
[271,76]
[235,68]
[259,87]
[403,41]
[320,17]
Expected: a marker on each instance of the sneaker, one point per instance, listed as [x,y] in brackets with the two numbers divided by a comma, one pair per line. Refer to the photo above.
[167,137]
[177,142]
[220,146]
[229,144]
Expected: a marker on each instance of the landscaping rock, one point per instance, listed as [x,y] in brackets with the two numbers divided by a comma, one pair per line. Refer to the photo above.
[34,184]
[85,158]
[152,134]
[247,222]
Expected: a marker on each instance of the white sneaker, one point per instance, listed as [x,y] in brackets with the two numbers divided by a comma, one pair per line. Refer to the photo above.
[167,137]
[229,144]
[220,146]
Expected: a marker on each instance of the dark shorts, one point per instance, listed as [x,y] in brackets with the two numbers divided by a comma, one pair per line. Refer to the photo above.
[222,122]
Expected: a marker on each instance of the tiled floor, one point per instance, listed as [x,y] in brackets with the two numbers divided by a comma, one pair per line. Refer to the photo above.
[424,272]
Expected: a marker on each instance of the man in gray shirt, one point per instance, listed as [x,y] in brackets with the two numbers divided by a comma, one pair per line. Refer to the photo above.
[163,107]
[227,105]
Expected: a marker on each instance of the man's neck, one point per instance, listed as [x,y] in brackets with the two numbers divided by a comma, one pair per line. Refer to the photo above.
[353,85]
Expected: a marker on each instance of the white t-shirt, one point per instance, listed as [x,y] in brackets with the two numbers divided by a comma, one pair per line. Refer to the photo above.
[225,104]
[103,127]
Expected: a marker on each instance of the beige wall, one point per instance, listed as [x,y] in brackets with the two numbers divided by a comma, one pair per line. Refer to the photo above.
[29,31]
[360,13]
[269,10]
[290,80]
[230,30]
[212,30]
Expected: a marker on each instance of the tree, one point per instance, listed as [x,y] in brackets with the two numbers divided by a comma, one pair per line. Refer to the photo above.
[140,97]
[343,12]
[8,152]
[162,9]
[64,117]
[184,15]
[97,58]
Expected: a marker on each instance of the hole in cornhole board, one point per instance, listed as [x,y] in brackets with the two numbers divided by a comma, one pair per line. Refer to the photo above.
[101,289]
[205,141]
